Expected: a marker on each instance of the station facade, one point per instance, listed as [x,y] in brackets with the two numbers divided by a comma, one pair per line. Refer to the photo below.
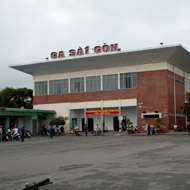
[105,88]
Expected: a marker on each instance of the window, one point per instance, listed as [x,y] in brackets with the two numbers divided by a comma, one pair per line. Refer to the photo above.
[187,85]
[58,86]
[77,85]
[110,82]
[41,88]
[151,115]
[127,80]
[74,122]
[93,83]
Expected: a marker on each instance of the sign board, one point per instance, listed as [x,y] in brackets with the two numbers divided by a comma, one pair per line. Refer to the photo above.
[120,118]
[102,112]
[85,51]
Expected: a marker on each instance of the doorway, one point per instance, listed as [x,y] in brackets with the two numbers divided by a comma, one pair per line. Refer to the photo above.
[116,124]
[90,124]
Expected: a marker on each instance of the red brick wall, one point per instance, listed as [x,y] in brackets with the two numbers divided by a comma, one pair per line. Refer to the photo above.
[180,98]
[86,96]
[156,92]
[152,96]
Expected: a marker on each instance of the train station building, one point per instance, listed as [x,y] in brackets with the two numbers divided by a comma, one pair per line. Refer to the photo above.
[110,85]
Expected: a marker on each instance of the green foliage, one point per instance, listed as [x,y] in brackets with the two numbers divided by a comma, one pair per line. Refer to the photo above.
[186,108]
[16,98]
[159,123]
[57,121]
[129,124]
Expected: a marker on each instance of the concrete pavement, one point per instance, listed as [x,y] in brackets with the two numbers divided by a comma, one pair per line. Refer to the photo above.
[98,162]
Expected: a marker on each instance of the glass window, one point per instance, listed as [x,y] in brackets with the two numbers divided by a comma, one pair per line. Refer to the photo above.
[77,85]
[93,83]
[58,86]
[41,88]
[127,80]
[110,82]
[187,85]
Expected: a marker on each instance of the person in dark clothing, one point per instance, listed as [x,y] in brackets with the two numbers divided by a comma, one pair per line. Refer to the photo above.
[1,133]
[62,130]
[149,130]
[86,129]
[153,131]
[51,132]
[22,133]
[44,130]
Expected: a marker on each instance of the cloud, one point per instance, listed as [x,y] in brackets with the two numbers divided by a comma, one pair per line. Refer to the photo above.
[32,29]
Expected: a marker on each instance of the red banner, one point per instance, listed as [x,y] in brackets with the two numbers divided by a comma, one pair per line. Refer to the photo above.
[102,112]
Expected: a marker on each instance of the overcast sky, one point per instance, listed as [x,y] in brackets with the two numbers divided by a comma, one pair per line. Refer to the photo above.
[31,29]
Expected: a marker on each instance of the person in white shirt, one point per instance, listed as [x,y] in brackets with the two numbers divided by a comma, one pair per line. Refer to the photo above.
[175,126]
[97,128]
[15,131]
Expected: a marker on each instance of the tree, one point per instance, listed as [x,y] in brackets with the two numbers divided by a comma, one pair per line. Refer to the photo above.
[186,108]
[16,98]
[159,123]
[129,124]
[57,121]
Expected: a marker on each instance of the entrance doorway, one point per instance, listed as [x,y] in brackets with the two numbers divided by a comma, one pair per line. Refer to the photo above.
[90,124]
[116,124]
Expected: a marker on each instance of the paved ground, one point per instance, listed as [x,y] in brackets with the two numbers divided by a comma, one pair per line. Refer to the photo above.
[98,162]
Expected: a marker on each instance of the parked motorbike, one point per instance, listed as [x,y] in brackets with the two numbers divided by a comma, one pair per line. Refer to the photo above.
[16,137]
[27,134]
[77,131]
[5,137]
[9,134]
[97,133]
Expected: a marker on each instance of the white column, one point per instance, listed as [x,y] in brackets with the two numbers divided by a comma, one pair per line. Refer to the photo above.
[120,118]
[70,120]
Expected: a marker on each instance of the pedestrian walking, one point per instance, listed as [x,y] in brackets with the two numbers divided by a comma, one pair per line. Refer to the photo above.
[22,133]
[86,129]
[149,130]
[51,132]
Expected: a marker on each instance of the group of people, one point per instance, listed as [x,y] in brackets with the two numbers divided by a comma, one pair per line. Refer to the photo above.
[14,132]
[153,130]
[149,130]
[53,131]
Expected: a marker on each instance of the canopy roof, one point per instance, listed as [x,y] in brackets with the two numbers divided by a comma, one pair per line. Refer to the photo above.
[175,55]
[29,111]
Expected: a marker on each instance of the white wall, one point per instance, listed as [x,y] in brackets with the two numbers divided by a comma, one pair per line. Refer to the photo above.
[79,114]
[26,122]
[109,121]
[131,113]
[77,110]
[105,71]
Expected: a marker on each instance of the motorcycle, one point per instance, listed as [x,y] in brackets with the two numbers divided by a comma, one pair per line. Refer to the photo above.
[5,137]
[16,137]
[27,134]
[77,131]
[9,135]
